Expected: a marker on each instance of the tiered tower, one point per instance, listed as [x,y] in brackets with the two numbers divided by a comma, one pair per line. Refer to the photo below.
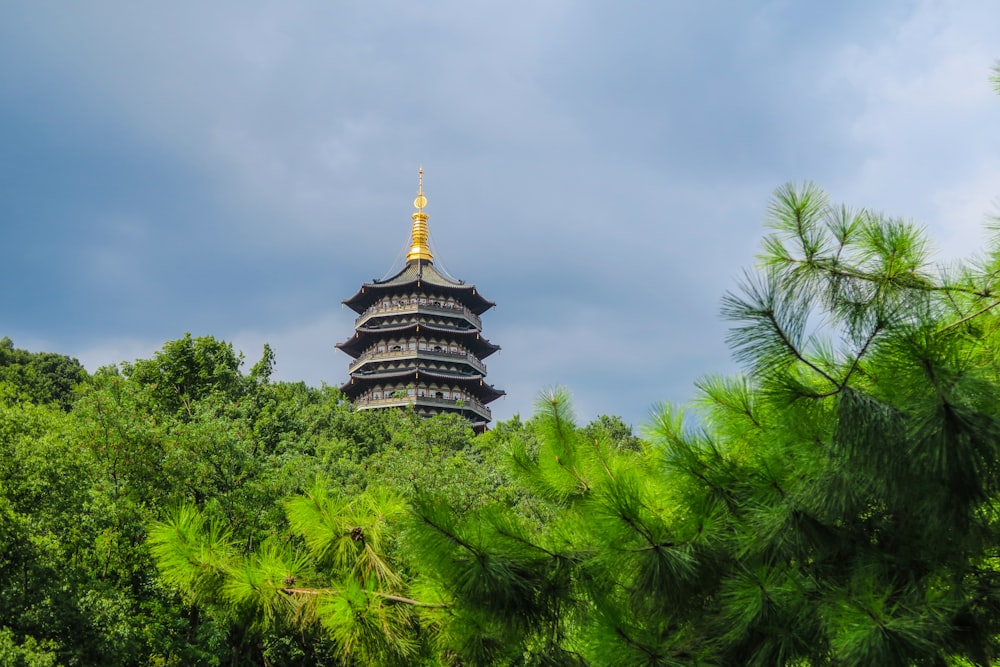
[418,338]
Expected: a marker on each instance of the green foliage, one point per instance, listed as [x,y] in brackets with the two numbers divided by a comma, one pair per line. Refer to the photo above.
[187,437]
[342,576]
[189,369]
[39,377]
[866,448]
[834,504]
[78,491]
[831,506]
[26,652]
[613,430]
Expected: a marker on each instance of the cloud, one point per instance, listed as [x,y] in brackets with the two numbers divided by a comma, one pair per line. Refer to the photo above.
[599,170]
[926,120]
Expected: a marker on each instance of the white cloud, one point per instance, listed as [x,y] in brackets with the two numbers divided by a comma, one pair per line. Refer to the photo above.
[927,120]
[963,209]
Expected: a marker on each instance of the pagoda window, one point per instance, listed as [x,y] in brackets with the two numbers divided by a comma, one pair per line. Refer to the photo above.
[421,392]
[377,395]
[395,348]
[412,345]
[381,348]
[439,394]
[437,348]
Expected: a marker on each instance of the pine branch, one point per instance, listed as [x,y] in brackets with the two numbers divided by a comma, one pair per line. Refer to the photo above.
[653,655]
[531,545]
[979,312]
[788,345]
[574,473]
[861,353]
[906,280]
[451,537]
[385,596]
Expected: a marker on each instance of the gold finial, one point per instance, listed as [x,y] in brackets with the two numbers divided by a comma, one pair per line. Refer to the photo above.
[419,249]
[421,200]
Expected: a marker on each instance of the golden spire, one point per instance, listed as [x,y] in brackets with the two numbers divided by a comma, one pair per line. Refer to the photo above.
[419,249]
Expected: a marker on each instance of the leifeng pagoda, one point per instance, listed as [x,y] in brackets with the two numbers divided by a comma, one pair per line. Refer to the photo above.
[418,338]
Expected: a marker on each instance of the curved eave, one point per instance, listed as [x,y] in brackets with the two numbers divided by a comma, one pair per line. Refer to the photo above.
[422,358]
[485,393]
[418,275]
[403,326]
[364,337]
[478,414]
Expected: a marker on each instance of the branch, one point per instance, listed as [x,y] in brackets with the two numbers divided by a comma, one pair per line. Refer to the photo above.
[384,596]
[451,536]
[527,543]
[857,359]
[573,473]
[794,350]
[969,317]
[634,644]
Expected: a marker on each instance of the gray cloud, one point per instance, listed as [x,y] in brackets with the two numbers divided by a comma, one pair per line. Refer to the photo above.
[599,170]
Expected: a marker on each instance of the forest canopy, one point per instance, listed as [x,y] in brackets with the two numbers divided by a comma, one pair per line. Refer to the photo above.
[832,504]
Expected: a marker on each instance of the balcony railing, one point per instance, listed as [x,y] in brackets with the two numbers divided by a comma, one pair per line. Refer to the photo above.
[444,355]
[420,306]
[400,401]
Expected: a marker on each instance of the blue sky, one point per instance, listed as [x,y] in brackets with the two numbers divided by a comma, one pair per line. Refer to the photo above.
[600,170]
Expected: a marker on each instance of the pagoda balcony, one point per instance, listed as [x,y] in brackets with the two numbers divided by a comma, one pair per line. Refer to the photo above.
[421,308]
[439,355]
[470,404]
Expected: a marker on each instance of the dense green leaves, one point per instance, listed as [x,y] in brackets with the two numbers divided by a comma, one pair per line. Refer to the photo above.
[834,504]
[187,459]
[39,377]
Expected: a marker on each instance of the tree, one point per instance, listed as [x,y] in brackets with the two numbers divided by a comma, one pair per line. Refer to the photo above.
[188,369]
[833,505]
[40,377]
[45,481]
[186,426]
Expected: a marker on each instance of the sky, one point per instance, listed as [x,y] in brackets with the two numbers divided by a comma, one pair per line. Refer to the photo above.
[599,170]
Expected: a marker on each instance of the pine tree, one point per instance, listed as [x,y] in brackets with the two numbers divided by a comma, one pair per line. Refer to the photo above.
[832,505]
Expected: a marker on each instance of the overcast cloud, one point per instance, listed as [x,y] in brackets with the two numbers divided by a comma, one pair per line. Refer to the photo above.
[600,170]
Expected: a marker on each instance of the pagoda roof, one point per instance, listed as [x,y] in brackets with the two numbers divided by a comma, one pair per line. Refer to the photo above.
[486,393]
[470,337]
[420,274]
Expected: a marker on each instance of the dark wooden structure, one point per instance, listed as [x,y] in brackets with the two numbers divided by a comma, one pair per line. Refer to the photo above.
[418,339]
